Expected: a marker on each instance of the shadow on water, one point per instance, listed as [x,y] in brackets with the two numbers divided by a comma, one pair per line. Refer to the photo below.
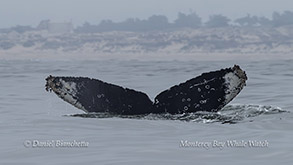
[230,114]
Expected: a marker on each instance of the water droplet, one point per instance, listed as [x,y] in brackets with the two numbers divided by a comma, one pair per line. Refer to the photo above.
[100,95]
[207,87]
[156,101]
[185,108]
[196,106]
[188,99]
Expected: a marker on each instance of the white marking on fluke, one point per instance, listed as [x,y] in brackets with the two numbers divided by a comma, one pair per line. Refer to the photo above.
[65,90]
[234,81]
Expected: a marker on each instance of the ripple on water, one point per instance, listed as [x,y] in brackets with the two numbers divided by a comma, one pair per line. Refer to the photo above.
[230,114]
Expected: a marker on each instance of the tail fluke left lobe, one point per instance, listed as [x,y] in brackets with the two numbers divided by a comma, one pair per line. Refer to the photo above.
[93,95]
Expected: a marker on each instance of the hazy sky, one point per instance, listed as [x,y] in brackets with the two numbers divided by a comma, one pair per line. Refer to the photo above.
[31,12]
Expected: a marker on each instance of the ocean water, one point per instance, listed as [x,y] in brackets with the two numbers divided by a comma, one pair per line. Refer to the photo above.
[37,127]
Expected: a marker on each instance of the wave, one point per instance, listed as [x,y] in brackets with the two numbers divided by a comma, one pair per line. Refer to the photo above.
[230,114]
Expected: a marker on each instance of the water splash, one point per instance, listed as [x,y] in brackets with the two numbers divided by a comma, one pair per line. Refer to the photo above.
[230,114]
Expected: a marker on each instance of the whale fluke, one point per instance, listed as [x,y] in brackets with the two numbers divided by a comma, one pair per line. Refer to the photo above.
[207,92]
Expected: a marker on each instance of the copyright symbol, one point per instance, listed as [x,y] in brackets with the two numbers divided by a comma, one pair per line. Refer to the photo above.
[27,143]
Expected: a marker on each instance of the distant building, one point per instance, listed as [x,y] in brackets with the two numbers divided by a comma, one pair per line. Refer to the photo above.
[66,27]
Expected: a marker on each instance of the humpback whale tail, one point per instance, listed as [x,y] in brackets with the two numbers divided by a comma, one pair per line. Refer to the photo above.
[207,92]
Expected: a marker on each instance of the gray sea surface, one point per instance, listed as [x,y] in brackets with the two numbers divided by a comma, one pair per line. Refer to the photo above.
[37,127]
